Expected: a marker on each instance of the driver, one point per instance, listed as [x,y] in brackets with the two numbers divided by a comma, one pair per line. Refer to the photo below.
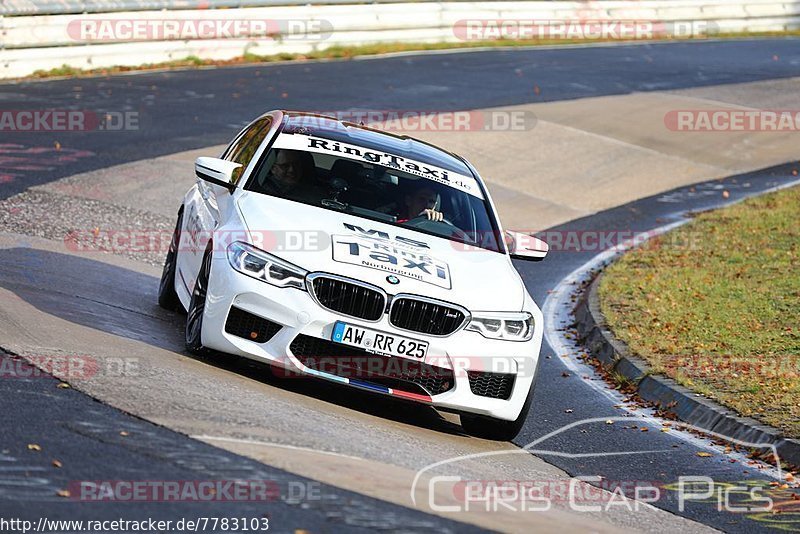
[420,203]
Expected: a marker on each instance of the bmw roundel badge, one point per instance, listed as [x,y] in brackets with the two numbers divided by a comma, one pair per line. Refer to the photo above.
[392,279]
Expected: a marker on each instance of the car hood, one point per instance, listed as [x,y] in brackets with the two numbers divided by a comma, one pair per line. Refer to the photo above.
[324,240]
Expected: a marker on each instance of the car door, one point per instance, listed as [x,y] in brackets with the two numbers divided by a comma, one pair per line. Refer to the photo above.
[201,213]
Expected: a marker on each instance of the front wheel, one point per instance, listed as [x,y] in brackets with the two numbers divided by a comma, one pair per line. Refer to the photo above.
[485,427]
[197,307]
[167,297]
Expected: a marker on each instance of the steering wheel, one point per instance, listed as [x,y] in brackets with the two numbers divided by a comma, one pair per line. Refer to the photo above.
[423,223]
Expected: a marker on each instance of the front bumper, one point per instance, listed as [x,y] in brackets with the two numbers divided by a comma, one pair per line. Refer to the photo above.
[296,312]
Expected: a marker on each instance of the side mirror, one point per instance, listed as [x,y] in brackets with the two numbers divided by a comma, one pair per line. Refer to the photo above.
[217,171]
[525,246]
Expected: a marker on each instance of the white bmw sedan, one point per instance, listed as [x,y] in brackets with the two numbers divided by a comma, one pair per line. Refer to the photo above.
[336,251]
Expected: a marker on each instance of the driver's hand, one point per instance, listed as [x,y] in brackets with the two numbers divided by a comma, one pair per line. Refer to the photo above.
[432,215]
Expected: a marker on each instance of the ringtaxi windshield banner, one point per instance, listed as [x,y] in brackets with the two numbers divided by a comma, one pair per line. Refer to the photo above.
[310,143]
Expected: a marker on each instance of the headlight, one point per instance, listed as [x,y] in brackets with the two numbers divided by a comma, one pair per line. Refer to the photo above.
[254,262]
[511,326]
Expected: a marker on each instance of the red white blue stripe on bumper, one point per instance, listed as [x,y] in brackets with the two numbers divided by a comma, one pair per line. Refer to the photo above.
[370,386]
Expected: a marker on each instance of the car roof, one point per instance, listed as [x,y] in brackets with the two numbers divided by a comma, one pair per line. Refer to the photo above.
[364,136]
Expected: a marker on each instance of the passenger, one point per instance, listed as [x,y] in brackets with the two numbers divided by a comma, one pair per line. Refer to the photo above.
[292,177]
[289,173]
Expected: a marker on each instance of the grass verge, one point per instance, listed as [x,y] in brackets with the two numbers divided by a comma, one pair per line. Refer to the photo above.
[347,52]
[716,306]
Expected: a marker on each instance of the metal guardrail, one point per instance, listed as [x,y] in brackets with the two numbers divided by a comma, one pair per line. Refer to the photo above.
[12,8]
[42,42]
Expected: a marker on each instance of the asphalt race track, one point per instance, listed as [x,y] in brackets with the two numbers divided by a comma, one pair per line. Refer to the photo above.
[191,109]
[667,456]
[184,110]
[102,443]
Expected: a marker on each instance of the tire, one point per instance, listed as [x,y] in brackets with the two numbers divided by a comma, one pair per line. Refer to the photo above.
[197,306]
[482,426]
[167,297]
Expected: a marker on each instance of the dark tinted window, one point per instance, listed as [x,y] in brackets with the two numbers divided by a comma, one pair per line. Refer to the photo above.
[376,192]
[245,146]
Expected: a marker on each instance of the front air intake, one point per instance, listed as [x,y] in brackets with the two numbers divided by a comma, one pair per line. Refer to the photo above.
[251,327]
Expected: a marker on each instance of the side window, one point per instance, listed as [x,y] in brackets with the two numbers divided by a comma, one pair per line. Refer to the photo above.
[245,146]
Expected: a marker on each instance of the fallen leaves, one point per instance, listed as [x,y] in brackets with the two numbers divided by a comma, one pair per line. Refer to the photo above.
[57,463]
[702,454]
[34,447]
[704,275]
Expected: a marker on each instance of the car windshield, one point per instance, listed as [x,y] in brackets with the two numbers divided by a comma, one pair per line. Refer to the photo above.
[391,189]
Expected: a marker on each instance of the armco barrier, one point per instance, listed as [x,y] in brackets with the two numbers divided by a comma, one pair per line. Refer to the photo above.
[43,42]
[60,7]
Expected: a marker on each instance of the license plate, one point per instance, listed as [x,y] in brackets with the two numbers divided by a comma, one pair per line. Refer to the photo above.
[378,342]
